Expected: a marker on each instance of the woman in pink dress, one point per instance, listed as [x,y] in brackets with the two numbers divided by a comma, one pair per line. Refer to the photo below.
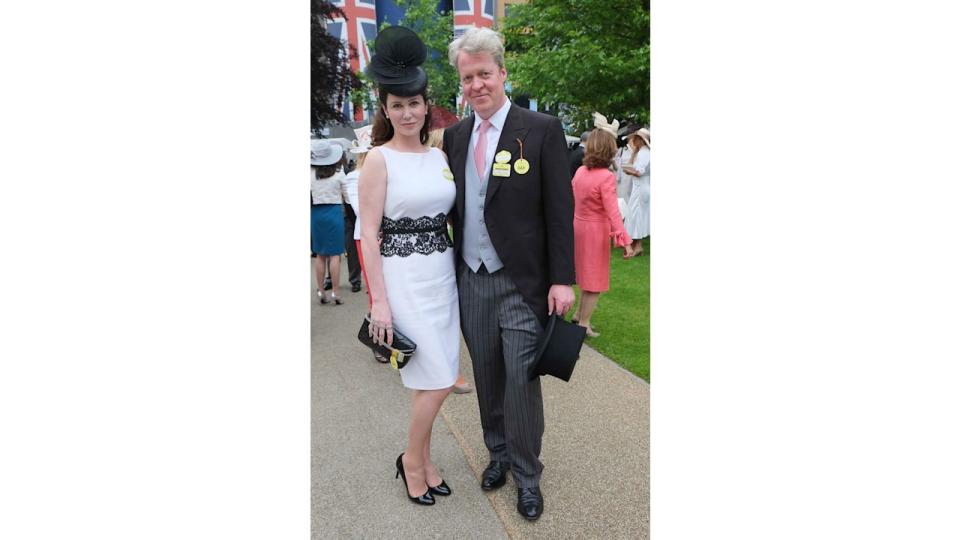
[596,219]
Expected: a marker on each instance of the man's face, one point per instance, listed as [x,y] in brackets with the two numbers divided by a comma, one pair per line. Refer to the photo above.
[482,82]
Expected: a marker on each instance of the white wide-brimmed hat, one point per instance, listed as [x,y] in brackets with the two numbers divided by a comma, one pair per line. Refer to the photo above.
[644,134]
[364,138]
[600,122]
[322,152]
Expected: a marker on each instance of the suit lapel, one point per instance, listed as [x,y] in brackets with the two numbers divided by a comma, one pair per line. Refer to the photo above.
[513,129]
[458,160]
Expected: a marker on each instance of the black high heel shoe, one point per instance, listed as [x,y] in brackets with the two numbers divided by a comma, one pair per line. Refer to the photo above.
[442,489]
[425,499]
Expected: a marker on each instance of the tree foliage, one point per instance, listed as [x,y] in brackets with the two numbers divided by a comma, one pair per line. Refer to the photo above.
[581,56]
[330,75]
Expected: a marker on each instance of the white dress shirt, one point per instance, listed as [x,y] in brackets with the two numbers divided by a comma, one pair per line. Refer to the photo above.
[493,136]
[352,182]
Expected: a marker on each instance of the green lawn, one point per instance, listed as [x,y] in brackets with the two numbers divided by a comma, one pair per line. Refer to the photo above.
[622,316]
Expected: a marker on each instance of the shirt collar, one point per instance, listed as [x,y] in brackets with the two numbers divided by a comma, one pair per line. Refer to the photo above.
[497,120]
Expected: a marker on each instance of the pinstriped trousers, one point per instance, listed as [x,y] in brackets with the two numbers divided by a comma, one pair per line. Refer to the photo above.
[501,332]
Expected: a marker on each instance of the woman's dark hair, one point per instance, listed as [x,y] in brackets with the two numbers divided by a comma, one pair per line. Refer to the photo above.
[326,171]
[600,149]
[383,129]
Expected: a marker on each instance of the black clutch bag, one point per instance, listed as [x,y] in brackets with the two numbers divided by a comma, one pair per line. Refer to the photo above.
[399,354]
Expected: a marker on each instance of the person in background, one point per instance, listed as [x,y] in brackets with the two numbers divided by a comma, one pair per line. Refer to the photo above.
[637,170]
[576,155]
[353,257]
[596,219]
[624,183]
[361,145]
[350,220]
[435,140]
[327,193]
[352,225]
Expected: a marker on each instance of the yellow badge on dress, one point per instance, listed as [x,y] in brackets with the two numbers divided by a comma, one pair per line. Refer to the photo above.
[501,169]
[502,156]
[447,174]
[521,166]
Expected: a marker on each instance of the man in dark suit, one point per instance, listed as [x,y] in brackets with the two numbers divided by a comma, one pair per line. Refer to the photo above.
[576,155]
[513,242]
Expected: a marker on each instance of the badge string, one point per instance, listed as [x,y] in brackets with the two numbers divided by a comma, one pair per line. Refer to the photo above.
[521,165]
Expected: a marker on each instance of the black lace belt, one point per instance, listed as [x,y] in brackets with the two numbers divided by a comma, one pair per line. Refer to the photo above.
[418,225]
[405,236]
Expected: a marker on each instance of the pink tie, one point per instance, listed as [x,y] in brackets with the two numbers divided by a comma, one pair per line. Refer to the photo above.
[480,153]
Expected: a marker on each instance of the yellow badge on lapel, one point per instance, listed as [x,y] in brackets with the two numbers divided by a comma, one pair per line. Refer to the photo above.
[447,174]
[521,165]
[501,169]
[502,156]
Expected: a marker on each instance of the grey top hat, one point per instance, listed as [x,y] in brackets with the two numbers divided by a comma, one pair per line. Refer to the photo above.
[323,152]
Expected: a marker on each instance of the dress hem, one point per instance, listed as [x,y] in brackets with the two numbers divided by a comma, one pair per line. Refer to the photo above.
[432,387]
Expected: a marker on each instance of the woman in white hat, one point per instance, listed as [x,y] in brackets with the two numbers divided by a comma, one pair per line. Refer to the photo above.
[637,170]
[327,193]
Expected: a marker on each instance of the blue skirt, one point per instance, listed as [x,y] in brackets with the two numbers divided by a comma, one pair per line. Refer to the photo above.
[326,229]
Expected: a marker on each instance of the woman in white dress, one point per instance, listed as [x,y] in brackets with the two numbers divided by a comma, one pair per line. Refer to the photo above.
[637,170]
[406,190]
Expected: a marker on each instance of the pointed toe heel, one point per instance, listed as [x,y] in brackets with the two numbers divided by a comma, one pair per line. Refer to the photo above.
[443,489]
[426,499]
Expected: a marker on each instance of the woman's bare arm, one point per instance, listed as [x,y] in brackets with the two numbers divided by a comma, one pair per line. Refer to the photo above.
[372,194]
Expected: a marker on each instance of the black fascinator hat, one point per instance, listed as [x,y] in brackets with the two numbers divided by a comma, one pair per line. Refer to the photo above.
[395,65]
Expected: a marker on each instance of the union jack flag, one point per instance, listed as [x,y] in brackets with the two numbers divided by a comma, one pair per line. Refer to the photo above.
[359,27]
[467,13]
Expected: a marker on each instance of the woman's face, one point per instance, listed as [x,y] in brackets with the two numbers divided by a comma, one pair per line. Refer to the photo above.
[406,114]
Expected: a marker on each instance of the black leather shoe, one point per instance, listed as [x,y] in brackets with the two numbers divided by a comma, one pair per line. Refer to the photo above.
[495,475]
[530,503]
[355,287]
[442,489]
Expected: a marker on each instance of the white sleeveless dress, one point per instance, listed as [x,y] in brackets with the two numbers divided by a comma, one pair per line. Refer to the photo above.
[418,265]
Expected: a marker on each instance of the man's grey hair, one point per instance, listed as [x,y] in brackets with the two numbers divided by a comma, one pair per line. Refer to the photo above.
[477,40]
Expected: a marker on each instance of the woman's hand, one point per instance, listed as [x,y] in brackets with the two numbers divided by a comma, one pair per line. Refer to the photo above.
[381,323]
[627,251]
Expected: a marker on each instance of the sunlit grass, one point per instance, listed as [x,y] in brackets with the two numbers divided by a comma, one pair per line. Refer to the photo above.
[622,316]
